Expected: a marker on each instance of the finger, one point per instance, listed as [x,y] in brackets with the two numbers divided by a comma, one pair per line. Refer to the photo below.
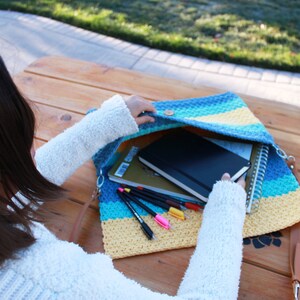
[242,182]
[225,176]
[144,119]
[148,106]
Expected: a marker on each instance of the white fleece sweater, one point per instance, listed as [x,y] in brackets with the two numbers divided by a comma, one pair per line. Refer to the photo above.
[55,269]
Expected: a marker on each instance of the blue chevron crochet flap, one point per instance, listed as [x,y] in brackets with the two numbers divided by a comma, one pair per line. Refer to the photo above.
[225,114]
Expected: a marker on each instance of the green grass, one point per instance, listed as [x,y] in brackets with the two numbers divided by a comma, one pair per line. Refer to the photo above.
[262,33]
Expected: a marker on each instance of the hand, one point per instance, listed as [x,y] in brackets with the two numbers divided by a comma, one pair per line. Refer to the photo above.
[138,105]
[241,181]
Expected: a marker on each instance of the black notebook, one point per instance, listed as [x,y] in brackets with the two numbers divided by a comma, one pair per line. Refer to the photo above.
[192,162]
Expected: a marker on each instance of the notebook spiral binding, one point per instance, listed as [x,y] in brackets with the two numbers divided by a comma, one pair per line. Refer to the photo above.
[255,187]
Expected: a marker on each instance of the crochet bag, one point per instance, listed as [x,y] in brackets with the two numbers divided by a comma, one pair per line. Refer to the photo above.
[224,114]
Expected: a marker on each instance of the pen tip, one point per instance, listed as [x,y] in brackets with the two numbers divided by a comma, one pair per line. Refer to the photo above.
[154,237]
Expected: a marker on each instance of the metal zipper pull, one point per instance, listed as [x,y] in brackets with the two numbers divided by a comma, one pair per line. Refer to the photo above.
[99,184]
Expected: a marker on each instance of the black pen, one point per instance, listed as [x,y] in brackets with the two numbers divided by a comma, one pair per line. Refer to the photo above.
[182,205]
[158,197]
[160,220]
[146,229]
[170,209]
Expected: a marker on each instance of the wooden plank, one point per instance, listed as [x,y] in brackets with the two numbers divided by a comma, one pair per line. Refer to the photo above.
[51,121]
[257,283]
[166,269]
[61,218]
[53,92]
[272,114]
[112,79]
[162,271]
[272,258]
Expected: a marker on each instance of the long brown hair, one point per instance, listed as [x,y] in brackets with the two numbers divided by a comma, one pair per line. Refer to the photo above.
[17,170]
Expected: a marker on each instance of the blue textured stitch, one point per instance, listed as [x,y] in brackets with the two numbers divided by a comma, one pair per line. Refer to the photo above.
[199,111]
[254,132]
[203,101]
[109,194]
[118,210]
[279,186]
[278,178]
[276,166]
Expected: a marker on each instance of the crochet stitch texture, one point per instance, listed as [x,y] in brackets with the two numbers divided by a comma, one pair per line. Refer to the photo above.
[225,114]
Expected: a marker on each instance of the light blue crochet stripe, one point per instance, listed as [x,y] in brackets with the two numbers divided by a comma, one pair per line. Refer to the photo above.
[280,186]
[276,166]
[200,111]
[118,210]
[199,101]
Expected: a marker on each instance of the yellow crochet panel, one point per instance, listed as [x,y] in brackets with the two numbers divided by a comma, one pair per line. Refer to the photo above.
[124,237]
[238,117]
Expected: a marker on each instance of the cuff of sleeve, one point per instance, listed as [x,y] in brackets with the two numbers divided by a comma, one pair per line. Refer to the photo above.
[227,194]
[121,122]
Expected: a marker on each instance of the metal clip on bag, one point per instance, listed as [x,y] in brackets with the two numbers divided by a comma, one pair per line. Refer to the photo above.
[225,114]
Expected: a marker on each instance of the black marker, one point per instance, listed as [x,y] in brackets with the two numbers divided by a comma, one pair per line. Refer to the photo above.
[146,229]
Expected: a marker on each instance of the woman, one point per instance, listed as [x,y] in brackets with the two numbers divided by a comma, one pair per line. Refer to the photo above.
[36,265]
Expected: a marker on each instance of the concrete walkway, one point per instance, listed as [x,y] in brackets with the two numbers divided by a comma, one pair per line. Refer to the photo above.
[24,38]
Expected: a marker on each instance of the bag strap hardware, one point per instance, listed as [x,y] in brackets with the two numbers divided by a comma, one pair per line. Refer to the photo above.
[296,286]
[95,195]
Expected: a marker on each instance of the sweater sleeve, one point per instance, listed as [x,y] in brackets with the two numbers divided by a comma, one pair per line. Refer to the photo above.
[214,269]
[61,156]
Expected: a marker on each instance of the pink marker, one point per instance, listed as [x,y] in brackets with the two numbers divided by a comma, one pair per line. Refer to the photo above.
[160,220]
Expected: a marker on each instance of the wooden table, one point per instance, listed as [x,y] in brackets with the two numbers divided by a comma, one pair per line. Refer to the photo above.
[63,89]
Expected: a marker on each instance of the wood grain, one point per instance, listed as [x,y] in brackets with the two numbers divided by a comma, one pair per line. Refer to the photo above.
[63,89]
[112,79]
[272,114]
[68,96]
